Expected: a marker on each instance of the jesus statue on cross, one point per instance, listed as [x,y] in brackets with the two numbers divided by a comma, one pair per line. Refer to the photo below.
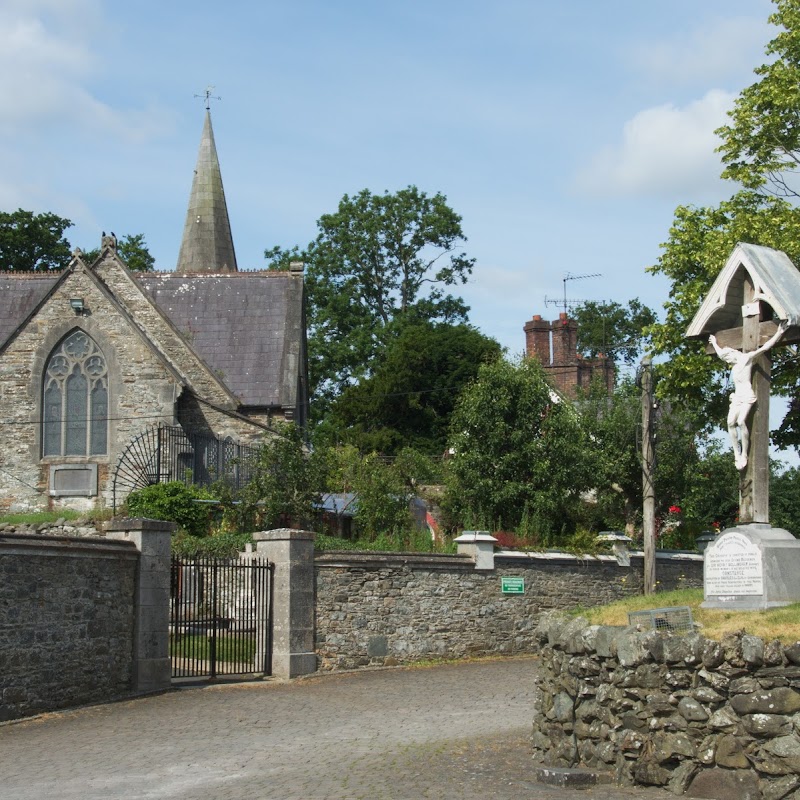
[743,396]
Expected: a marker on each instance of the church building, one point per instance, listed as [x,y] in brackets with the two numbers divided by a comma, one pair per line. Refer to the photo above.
[112,379]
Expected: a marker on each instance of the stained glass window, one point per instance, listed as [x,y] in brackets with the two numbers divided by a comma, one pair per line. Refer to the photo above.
[75,399]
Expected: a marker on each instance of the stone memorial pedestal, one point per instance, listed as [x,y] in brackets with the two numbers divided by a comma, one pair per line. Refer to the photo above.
[752,567]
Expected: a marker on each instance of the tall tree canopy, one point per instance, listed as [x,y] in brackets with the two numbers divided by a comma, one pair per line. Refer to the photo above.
[33,242]
[410,396]
[701,240]
[760,149]
[376,260]
[612,329]
[132,249]
[684,473]
[520,456]
[761,146]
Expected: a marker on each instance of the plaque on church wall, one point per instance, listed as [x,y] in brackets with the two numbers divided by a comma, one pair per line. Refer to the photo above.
[73,480]
[733,566]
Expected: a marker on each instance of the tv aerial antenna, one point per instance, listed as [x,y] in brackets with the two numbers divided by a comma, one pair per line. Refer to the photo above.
[563,301]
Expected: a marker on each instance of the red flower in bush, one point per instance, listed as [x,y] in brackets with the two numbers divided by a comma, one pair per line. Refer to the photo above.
[507,539]
[674,509]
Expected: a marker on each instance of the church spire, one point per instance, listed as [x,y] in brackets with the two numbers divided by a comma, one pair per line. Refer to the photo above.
[207,244]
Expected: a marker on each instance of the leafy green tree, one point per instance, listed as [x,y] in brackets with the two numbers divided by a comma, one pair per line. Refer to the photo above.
[376,260]
[612,329]
[132,249]
[711,496]
[613,425]
[408,399]
[286,482]
[761,146]
[416,469]
[33,242]
[784,499]
[382,492]
[520,456]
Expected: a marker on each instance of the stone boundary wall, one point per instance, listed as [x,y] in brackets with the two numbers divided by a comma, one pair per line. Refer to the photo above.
[382,609]
[66,621]
[705,718]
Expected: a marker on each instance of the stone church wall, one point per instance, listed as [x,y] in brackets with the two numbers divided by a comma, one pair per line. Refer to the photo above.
[143,389]
[142,392]
[712,719]
[202,418]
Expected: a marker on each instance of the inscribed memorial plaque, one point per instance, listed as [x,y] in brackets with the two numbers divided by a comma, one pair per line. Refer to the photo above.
[733,566]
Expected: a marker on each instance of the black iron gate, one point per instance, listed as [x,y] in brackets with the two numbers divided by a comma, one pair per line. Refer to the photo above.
[220,617]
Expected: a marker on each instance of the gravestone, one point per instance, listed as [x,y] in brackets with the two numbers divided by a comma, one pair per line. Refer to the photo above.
[753,305]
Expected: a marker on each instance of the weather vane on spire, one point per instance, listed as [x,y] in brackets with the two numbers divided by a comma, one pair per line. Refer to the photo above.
[208,97]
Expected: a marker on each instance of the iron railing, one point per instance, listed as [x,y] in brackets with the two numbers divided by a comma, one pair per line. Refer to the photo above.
[164,453]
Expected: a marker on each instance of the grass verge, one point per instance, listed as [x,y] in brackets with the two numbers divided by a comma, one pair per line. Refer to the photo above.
[777,623]
[37,517]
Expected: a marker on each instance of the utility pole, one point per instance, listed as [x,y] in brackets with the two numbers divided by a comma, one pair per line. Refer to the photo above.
[648,491]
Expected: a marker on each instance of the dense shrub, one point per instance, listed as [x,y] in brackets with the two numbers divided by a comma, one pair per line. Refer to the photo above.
[173,502]
[217,545]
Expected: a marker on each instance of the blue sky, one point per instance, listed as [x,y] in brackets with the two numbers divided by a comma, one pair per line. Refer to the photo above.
[565,133]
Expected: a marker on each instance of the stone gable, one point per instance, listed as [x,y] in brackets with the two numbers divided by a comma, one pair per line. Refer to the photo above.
[143,389]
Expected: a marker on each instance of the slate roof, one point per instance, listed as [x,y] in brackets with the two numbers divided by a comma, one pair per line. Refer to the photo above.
[248,327]
[20,293]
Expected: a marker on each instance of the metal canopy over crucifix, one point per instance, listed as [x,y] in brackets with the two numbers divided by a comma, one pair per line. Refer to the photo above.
[754,304]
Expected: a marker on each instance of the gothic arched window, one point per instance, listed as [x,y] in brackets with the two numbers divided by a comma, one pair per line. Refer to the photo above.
[75,399]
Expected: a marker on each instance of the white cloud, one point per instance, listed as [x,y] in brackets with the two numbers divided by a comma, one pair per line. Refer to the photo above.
[664,150]
[722,48]
[46,66]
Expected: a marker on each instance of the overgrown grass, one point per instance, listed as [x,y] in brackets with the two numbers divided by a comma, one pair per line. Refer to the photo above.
[778,623]
[415,542]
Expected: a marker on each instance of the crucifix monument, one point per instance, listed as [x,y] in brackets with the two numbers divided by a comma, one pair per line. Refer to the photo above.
[753,306]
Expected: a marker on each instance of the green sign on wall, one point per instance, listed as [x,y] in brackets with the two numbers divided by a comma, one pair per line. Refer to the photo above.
[512,585]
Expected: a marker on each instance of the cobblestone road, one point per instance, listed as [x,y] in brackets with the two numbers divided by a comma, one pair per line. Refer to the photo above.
[453,731]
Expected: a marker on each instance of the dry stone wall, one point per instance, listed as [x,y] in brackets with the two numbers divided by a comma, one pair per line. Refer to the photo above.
[711,719]
[381,609]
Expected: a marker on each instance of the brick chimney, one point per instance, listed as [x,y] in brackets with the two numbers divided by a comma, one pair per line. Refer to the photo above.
[565,341]
[537,339]
[565,368]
